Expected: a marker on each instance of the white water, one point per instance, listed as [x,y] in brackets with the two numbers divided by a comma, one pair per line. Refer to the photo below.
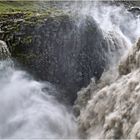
[115,21]
[112,112]
[110,108]
[113,18]
[27,111]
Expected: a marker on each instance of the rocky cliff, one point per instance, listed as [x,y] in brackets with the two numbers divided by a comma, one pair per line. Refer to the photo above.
[60,47]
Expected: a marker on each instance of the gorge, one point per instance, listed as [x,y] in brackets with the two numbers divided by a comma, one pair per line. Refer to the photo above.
[71,47]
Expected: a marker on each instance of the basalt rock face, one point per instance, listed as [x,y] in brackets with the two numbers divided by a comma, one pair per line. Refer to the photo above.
[61,49]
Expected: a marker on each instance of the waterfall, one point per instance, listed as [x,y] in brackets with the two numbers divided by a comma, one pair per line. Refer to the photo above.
[109,109]
[91,45]
[4,51]
[112,109]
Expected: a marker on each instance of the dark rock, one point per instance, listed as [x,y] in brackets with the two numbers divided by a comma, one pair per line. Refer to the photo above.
[61,50]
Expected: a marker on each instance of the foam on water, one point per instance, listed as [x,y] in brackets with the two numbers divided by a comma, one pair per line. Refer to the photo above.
[110,108]
[28,111]
[112,111]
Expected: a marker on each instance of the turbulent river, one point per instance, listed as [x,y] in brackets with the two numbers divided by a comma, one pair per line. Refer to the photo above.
[28,108]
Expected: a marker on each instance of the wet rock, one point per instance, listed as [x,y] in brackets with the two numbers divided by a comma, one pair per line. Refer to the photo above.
[135,10]
[61,49]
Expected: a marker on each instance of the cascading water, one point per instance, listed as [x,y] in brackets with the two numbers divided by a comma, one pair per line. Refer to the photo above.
[27,111]
[109,109]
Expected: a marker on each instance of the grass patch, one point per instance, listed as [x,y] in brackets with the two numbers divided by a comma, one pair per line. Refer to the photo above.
[23,6]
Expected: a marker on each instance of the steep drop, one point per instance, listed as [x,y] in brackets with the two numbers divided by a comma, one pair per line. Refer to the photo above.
[113,108]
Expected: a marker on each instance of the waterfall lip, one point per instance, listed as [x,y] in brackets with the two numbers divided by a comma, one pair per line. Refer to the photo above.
[4,51]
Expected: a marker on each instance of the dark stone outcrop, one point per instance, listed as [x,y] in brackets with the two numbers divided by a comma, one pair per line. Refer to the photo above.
[61,49]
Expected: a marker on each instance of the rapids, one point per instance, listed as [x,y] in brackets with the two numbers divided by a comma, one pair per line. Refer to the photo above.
[27,110]
[109,109]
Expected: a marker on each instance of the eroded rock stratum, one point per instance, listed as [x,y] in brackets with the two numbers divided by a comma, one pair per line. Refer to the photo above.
[63,49]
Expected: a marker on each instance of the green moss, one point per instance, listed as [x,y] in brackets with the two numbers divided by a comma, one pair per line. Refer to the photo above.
[30,6]
[26,40]
[11,6]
